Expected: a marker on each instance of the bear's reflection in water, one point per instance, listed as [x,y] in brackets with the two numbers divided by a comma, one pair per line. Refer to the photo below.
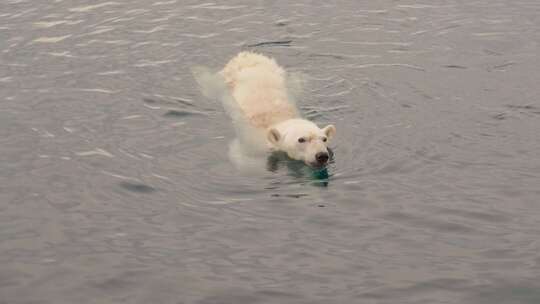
[257,163]
[279,160]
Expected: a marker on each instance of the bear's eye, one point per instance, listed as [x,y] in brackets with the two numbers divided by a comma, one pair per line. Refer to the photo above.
[301,140]
[324,139]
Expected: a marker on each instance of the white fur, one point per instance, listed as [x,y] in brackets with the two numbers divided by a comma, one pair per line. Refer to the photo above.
[258,86]
[262,104]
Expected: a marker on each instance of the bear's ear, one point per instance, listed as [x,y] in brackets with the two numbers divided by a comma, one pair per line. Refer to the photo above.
[273,136]
[329,131]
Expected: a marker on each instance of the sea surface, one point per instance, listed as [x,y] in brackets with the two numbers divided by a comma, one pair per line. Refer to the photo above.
[116,185]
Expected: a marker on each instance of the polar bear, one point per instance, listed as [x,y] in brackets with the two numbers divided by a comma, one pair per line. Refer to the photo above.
[255,93]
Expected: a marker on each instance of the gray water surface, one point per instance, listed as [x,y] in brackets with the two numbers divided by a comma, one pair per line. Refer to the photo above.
[115,185]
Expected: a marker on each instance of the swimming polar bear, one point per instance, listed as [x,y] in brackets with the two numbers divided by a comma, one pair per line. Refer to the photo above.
[256,95]
[258,86]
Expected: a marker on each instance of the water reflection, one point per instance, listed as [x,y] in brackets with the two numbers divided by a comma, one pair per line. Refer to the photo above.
[278,161]
[298,169]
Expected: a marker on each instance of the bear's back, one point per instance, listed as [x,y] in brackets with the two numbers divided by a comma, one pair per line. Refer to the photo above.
[258,86]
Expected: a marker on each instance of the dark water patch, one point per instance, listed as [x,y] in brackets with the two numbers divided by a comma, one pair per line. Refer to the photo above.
[492,52]
[184,102]
[333,56]
[175,100]
[521,107]
[300,195]
[455,66]
[233,297]
[282,22]
[274,295]
[525,109]
[313,114]
[501,66]
[113,284]
[150,100]
[137,187]
[500,116]
[182,113]
[310,110]
[486,135]
[271,43]
[157,103]
[420,92]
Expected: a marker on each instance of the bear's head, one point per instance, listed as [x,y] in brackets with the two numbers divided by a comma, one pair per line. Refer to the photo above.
[302,140]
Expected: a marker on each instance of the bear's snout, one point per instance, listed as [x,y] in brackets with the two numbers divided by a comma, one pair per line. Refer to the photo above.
[322,157]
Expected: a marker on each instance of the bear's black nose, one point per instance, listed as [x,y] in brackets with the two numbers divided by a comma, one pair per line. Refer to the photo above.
[321,157]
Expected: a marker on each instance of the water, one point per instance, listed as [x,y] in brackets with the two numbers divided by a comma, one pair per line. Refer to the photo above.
[116,185]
